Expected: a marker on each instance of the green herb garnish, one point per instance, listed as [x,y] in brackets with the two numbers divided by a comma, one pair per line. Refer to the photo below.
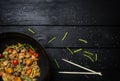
[70,50]
[2,59]
[78,50]
[65,35]
[20,66]
[31,47]
[96,57]
[57,63]
[51,40]
[29,29]
[28,79]
[87,52]
[89,57]
[82,40]
[23,46]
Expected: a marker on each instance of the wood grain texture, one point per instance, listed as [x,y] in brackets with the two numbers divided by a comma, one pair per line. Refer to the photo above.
[95,21]
[59,12]
[97,37]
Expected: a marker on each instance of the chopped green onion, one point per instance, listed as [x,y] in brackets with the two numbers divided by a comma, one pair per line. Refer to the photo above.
[51,40]
[2,59]
[65,35]
[31,47]
[70,50]
[29,29]
[87,52]
[78,50]
[82,40]
[23,46]
[20,67]
[96,57]
[28,79]
[57,63]
[89,57]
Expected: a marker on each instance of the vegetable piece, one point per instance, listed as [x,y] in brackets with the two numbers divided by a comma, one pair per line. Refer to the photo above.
[31,51]
[65,35]
[28,62]
[29,29]
[89,57]
[15,62]
[0,55]
[51,40]
[1,73]
[9,70]
[28,79]
[78,50]
[28,71]
[20,66]
[18,79]
[87,52]
[2,59]
[9,50]
[23,46]
[19,45]
[57,63]
[34,58]
[96,57]
[82,40]
[36,55]
[70,50]
[31,47]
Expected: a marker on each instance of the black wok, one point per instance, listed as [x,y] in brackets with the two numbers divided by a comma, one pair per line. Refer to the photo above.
[13,38]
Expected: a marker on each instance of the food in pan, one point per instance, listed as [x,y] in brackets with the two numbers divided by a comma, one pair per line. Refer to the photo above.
[19,63]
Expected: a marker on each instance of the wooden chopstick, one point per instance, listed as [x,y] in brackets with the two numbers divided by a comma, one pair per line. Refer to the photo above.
[67,72]
[98,73]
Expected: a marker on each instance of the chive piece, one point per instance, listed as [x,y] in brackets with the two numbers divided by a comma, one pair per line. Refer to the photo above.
[82,40]
[78,50]
[56,63]
[23,46]
[65,35]
[20,66]
[31,47]
[29,29]
[2,59]
[87,52]
[70,50]
[28,79]
[89,57]
[96,57]
[51,40]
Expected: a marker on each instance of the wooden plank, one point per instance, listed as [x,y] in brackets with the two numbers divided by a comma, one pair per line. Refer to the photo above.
[97,37]
[59,12]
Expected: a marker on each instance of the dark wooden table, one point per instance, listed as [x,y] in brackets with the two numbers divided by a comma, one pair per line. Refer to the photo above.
[97,22]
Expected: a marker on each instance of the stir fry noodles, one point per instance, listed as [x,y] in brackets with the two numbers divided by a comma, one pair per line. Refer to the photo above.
[19,63]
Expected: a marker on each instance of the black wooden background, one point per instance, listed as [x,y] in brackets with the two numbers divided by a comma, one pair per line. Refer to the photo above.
[93,20]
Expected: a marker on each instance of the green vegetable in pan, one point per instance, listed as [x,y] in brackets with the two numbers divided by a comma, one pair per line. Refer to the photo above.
[18,62]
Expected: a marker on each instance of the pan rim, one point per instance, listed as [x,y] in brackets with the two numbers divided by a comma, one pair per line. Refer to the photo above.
[34,40]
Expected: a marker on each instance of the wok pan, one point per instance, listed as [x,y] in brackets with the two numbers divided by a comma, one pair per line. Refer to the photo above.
[11,38]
